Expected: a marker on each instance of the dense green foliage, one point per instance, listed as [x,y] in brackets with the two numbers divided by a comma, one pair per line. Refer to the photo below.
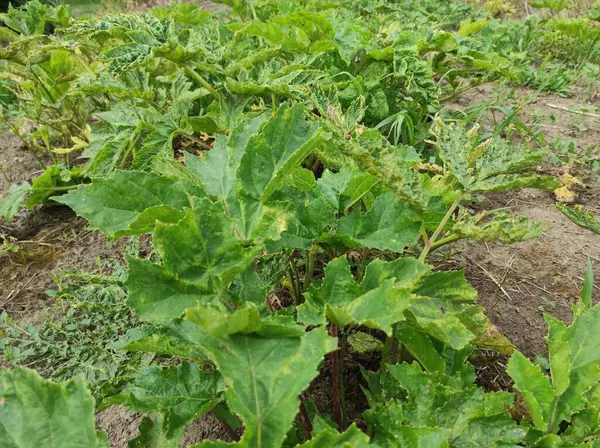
[292,148]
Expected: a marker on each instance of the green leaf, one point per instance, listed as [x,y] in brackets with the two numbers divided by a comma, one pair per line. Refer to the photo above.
[346,187]
[389,225]
[492,165]
[468,27]
[378,302]
[285,141]
[445,296]
[181,393]
[436,409]
[588,286]
[534,386]
[199,253]
[411,437]
[264,377]
[169,340]
[487,336]
[130,202]
[38,413]
[54,180]
[362,342]
[333,185]
[218,322]
[421,348]
[14,200]
[447,285]
[350,438]
[314,215]
[580,217]
[217,169]
[152,435]
[497,226]
[574,365]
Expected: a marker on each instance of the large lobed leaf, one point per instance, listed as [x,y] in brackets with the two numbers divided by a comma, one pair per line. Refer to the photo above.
[180,393]
[38,413]
[130,202]
[200,254]
[574,366]
[581,217]
[492,165]
[379,301]
[438,410]
[264,377]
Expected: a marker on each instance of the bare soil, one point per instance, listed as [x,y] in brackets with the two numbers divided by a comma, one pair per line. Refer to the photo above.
[519,283]
[47,241]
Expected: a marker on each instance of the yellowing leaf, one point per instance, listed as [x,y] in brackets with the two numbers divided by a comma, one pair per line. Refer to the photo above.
[565,194]
[78,144]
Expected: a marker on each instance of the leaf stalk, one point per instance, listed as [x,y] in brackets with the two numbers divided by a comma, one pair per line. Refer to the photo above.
[440,228]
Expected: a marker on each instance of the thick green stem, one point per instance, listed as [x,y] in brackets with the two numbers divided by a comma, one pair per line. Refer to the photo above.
[310,265]
[252,10]
[296,280]
[194,74]
[387,349]
[440,228]
[292,287]
[424,234]
[360,272]
[447,240]
[131,147]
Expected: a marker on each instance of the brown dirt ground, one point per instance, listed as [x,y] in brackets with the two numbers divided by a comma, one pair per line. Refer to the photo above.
[49,240]
[518,283]
[122,425]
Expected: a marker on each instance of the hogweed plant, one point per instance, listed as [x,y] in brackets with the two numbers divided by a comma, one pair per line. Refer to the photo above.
[289,233]
[250,201]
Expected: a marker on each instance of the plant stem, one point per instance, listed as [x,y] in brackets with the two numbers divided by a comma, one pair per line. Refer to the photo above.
[310,265]
[385,354]
[296,278]
[306,424]
[335,381]
[194,74]
[424,234]
[440,228]
[252,10]
[61,188]
[290,279]
[589,52]
[131,147]
[342,387]
[447,240]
